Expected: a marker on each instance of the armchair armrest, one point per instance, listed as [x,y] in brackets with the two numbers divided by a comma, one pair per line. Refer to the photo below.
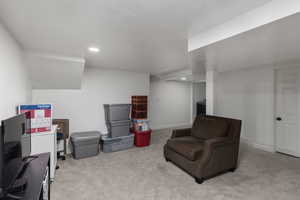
[218,141]
[181,132]
[218,156]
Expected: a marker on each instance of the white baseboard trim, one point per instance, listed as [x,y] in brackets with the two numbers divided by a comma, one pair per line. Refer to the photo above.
[264,147]
[287,152]
[171,126]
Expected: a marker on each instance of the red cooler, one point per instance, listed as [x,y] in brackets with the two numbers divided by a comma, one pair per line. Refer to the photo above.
[142,138]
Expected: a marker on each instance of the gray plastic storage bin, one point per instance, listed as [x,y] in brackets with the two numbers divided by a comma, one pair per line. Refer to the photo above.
[118,128]
[85,144]
[117,112]
[117,144]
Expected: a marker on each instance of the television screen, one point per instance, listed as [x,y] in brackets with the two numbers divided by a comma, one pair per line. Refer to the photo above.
[15,144]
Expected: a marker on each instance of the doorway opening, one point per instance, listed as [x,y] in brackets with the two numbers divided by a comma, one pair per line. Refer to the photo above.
[199,99]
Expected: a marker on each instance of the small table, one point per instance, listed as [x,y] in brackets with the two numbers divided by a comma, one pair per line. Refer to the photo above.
[63,128]
[45,142]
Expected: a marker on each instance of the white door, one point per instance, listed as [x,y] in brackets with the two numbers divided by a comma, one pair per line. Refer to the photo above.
[287,111]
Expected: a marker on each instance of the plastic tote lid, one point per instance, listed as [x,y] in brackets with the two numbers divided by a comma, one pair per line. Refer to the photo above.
[117,105]
[85,135]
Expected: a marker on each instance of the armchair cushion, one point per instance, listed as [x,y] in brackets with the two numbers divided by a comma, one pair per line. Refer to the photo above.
[207,128]
[189,147]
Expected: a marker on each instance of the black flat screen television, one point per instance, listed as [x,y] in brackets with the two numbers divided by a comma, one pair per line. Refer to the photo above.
[15,145]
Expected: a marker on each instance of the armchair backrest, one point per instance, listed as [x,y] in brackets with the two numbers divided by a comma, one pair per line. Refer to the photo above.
[207,127]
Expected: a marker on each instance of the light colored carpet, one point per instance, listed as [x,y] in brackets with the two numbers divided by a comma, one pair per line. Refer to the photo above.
[143,174]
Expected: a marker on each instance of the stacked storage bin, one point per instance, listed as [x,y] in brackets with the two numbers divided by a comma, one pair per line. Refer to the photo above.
[85,144]
[140,127]
[118,125]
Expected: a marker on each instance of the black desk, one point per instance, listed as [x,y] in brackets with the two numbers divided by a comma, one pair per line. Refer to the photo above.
[35,174]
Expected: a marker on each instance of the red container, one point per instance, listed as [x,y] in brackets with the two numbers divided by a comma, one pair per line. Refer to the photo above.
[142,139]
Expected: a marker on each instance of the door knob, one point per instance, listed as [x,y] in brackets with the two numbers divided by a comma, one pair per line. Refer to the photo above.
[278,118]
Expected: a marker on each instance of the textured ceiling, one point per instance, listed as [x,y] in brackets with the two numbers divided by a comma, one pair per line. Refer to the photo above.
[138,35]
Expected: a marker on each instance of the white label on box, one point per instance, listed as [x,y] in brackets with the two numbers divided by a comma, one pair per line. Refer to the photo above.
[40,122]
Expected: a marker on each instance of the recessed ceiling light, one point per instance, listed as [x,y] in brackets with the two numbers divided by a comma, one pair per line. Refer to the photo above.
[94,49]
[183,78]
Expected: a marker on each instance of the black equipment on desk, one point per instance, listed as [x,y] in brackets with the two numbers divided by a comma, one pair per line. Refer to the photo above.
[15,147]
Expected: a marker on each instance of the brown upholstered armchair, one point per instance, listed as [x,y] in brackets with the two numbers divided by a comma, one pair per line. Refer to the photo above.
[207,149]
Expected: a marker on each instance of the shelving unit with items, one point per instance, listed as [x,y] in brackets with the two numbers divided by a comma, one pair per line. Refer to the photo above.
[139,114]
[139,108]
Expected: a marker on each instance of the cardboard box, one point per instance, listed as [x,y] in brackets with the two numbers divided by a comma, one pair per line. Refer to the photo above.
[39,116]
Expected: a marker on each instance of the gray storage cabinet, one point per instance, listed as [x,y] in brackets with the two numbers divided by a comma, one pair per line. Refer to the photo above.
[117,144]
[117,112]
[85,144]
[118,128]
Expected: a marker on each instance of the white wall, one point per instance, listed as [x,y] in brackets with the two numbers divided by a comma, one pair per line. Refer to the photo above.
[66,71]
[170,104]
[249,95]
[199,94]
[84,107]
[14,81]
